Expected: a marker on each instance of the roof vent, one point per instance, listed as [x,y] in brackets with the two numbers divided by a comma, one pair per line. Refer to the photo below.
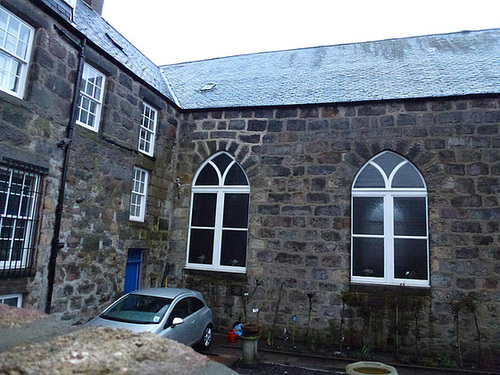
[115,43]
[208,87]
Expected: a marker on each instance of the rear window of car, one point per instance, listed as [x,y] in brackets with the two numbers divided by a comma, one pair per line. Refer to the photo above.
[196,304]
[136,308]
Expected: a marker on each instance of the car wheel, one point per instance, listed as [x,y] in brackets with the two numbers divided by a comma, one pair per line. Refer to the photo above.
[206,339]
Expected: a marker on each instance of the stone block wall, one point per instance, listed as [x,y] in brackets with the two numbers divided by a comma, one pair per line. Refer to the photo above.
[301,163]
[96,232]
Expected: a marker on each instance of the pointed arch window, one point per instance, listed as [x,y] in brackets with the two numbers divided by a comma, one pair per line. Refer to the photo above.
[390,240]
[218,227]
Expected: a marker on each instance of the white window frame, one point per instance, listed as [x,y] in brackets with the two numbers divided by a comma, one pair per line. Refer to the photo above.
[92,98]
[29,218]
[14,57]
[388,194]
[147,131]
[139,194]
[19,297]
[221,190]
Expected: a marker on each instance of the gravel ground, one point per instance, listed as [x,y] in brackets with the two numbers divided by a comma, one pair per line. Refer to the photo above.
[37,344]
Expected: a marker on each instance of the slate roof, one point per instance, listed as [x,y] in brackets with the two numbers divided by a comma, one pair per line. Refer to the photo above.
[96,29]
[462,63]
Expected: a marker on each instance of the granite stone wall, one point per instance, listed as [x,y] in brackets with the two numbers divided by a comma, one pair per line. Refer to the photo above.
[301,163]
[96,232]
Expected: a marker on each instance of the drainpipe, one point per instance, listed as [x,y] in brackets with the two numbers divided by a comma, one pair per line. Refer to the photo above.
[65,145]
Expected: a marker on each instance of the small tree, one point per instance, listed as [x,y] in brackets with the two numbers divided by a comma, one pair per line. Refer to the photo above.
[310,296]
[456,306]
[345,297]
[471,303]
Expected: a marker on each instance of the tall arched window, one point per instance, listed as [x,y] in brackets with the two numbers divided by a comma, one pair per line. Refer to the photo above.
[218,227]
[389,223]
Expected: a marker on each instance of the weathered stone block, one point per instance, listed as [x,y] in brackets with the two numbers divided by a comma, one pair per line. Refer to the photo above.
[265,256]
[289,258]
[372,110]
[320,274]
[467,201]
[321,170]
[466,283]
[466,227]
[466,253]
[406,119]
[340,123]
[294,246]
[296,125]
[477,169]
[296,210]
[311,261]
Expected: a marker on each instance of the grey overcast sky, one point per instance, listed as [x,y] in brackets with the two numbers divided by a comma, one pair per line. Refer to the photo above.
[174,31]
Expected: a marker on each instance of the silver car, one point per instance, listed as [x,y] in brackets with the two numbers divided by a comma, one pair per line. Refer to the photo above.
[179,314]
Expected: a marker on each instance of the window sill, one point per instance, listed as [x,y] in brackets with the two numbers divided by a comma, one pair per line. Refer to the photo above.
[390,289]
[215,274]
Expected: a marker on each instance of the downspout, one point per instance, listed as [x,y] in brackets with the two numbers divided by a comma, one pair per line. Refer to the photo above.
[65,145]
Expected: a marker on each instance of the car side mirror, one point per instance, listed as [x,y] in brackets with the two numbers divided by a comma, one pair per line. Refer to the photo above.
[177,321]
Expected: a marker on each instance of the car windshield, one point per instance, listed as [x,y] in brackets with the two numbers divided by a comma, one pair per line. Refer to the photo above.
[136,308]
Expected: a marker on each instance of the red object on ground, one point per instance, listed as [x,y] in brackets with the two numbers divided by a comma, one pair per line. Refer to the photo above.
[231,337]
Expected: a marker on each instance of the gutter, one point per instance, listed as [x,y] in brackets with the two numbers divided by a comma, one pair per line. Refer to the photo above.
[65,145]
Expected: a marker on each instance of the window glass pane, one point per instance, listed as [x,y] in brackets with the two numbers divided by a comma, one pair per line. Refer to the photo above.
[236,176]
[3,21]
[407,177]
[207,176]
[368,257]
[410,216]
[4,183]
[21,49]
[370,177]
[234,244]
[388,161]
[14,200]
[24,35]
[180,310]
[222,161]
[236,210]
[10,43]
[14,26]
[196,304]
[12,301]
[17,247]
[410,259]
[4,248]
[368,215]
[201,245]
[204,210]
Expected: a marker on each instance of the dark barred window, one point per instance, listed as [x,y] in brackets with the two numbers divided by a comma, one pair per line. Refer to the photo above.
[19,192]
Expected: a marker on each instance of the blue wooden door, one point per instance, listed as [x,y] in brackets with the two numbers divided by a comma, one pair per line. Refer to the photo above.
[133,270]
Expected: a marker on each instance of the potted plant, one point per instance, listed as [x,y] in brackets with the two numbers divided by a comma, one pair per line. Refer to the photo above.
[250,328]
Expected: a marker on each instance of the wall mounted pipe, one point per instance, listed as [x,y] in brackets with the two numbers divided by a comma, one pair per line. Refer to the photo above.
[65,145]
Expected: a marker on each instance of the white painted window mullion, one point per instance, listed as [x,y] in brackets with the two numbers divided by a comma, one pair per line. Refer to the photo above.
[389,237]
[218,229]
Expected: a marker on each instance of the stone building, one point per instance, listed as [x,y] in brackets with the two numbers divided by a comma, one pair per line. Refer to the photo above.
[359,182]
